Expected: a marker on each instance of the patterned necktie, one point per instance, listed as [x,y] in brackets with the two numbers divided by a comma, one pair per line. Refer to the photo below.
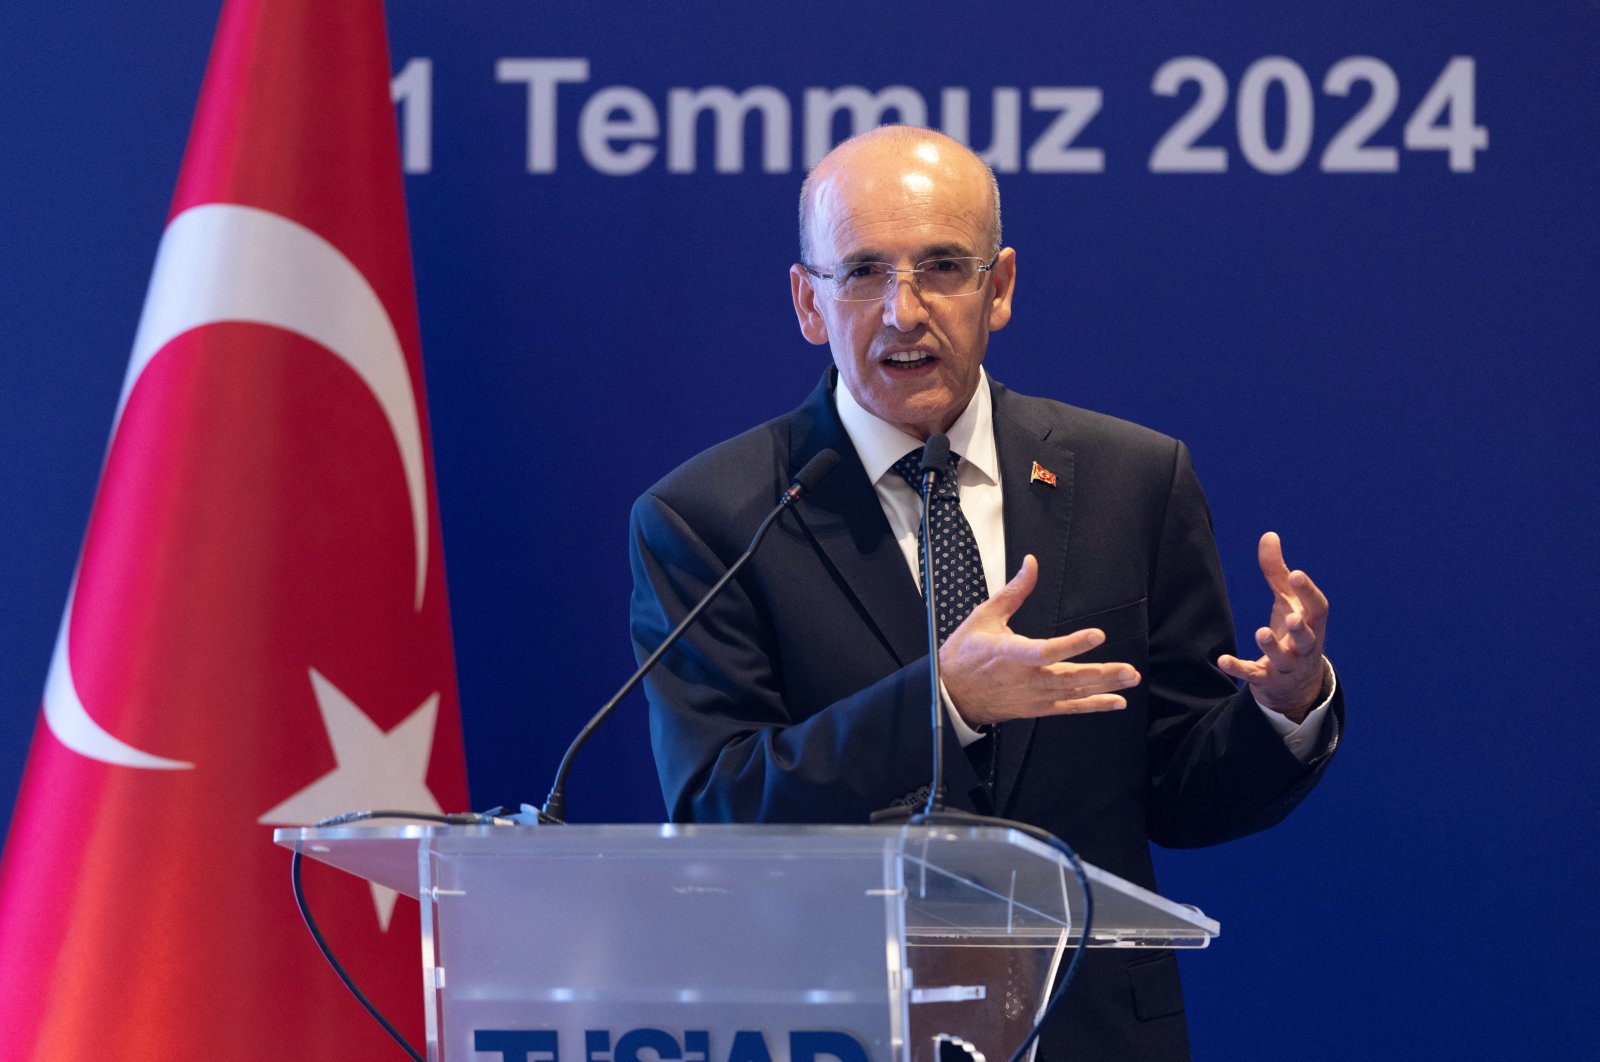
[957,567]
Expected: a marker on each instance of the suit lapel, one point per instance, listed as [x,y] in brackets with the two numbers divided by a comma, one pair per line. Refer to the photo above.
[846,521]
[1038,519]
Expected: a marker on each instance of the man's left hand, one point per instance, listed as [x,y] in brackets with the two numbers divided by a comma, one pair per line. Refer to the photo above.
[1288,677]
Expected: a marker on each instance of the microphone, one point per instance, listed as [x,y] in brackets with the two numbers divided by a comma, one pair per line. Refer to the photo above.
[935,454]
[812,473]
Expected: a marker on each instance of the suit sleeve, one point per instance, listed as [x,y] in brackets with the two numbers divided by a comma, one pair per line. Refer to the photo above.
[1218,770]
[729,745]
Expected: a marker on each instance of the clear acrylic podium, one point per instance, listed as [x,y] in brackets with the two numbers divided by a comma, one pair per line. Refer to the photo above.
[738,943]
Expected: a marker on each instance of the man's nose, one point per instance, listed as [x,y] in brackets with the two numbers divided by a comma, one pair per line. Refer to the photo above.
[903,308]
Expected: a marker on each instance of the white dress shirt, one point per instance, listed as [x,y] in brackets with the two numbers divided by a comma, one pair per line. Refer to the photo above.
[880,444]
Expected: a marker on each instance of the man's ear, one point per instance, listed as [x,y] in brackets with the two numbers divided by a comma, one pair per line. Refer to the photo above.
[812,324]
[1004,277]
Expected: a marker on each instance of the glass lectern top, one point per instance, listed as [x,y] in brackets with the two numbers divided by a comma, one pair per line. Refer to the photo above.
[1021,883]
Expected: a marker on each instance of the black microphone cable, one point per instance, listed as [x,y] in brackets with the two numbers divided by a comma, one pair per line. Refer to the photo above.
[468,819]
[962,818]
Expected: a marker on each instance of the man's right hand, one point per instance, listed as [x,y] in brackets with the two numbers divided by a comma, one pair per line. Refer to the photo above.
[993,674]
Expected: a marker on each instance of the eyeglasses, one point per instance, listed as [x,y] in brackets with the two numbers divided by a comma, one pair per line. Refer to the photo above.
[944,278]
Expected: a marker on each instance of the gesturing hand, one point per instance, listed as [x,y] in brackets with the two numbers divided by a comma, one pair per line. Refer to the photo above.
[993,674]
[1287,677]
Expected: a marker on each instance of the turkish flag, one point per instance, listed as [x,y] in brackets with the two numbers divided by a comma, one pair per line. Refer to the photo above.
[258,632]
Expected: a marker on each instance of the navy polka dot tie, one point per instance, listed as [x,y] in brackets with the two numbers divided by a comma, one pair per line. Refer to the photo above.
[957,567]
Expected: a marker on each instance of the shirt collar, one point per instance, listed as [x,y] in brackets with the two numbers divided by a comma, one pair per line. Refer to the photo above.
[880,444]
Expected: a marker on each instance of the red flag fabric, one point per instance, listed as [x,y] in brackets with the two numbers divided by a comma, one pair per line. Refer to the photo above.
[257,632]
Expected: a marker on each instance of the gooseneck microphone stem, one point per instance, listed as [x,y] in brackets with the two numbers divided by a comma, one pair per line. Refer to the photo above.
[935,453]
[555,805]
[936,785]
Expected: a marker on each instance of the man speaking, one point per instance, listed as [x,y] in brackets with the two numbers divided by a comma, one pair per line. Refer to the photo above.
[1086,640]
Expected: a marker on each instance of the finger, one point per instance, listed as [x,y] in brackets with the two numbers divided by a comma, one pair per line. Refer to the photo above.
[1105,702]
[1269,555]
[1313,601]
[1004,604]
[1243,670]
[1088,678]
[1280,652]
[1301,634]
[1062,647]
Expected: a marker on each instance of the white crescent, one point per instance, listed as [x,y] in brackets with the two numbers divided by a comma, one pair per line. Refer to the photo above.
[221,262]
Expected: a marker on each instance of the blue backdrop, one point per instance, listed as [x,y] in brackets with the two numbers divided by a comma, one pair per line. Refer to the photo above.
[1349,252]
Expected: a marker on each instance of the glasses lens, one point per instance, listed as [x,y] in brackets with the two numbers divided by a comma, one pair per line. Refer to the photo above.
[950,276]
[862,281]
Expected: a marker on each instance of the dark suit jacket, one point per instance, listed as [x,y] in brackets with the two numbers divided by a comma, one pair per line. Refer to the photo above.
[802,693]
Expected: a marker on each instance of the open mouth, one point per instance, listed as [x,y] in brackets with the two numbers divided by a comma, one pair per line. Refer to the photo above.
[907,359]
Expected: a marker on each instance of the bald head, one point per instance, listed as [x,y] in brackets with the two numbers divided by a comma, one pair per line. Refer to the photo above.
[903,198]
[904,155]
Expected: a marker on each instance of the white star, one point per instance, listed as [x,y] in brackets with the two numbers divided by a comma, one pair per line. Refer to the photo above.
[374,770]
